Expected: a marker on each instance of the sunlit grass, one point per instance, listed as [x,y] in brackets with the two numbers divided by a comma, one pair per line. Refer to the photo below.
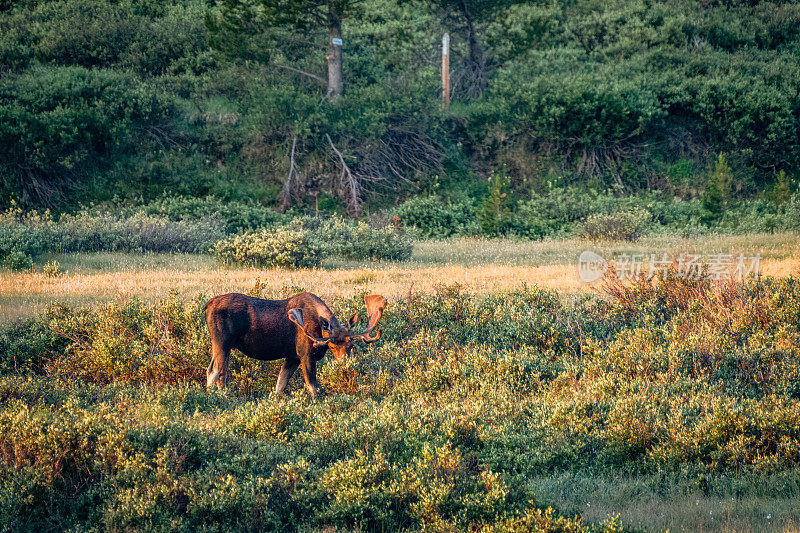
[480,265]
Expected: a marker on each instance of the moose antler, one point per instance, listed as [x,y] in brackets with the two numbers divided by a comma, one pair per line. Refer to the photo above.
[296,316]
[375,306]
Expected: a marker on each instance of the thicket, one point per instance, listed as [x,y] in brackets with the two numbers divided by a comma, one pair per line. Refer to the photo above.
[237,233]
[191,98]
[572,211]
[249,233]
[104,420]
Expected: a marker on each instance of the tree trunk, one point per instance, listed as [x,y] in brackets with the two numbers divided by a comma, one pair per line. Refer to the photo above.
[474,53]
[474,49]
[335,80]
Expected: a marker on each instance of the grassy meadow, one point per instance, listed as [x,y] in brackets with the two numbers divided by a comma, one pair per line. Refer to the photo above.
[504,395]
[480,265]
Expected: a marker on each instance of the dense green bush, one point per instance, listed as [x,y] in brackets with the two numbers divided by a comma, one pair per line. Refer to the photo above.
[306,241]
[32,233]
[56,122]
[340,238]
[621,226]
[434,217]
[285,248]
[236,215]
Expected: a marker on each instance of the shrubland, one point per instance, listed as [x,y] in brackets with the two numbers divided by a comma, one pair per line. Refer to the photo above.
[236,233]
[449,421]
[249,233]
[194,98]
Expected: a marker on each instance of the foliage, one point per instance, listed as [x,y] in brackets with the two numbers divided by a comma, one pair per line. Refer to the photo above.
[285,248]
[718,190]
[102,98]
[782,189]
[495,212]
[16,260]
[442,422]
[340,238]
[621,226]
[434,217]
[56,122]
[52,269]
[35,232]
[308,240]
[236,215]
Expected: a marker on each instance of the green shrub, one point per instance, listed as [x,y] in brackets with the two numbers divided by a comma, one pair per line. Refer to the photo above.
[718,191]
[237,216]
[495,211]
[59,120]
[791,214]
[16,260]
[623,226]
[117,342]
[270,248]
[433,217]
[348,240]
[35,232]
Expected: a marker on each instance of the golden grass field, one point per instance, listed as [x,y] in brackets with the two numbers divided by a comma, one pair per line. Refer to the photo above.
[480,265]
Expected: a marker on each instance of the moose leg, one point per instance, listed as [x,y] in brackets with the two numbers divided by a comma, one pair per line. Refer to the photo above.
[217,372]
[309,365]
[287,370]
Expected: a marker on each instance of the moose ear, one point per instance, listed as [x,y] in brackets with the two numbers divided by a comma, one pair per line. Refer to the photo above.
[296,316]
[323,323]
[351,323]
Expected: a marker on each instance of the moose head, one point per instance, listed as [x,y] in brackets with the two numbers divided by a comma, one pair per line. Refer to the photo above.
[339,338]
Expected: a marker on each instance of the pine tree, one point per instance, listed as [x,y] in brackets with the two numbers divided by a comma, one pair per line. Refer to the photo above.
[718,191]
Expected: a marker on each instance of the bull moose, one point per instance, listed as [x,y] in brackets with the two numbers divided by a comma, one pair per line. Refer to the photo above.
[299,329]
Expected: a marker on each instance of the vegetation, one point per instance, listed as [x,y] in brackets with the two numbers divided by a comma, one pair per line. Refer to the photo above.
[196,226]
[195,98]
[622,226]
[154,153]
[467,403]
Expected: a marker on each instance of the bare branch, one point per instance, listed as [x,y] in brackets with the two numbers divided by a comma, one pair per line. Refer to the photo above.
[348,182]
[304,73]
[286,192]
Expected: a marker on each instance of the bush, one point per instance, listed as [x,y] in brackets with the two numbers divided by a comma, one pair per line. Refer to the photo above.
[434,217]
[718,191]
[496,210]
[58,121]
[52,269]
[339,238]
[16,260]
[33,233]
[271,248]
[17,237]
[791,214]
[624,226]
[237,216]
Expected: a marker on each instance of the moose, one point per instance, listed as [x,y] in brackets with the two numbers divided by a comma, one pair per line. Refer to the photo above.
[299,329]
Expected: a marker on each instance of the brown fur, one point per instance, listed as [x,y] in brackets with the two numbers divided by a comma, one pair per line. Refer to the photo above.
[262,329]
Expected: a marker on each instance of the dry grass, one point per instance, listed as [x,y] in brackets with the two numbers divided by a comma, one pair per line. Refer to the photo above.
[480,265]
